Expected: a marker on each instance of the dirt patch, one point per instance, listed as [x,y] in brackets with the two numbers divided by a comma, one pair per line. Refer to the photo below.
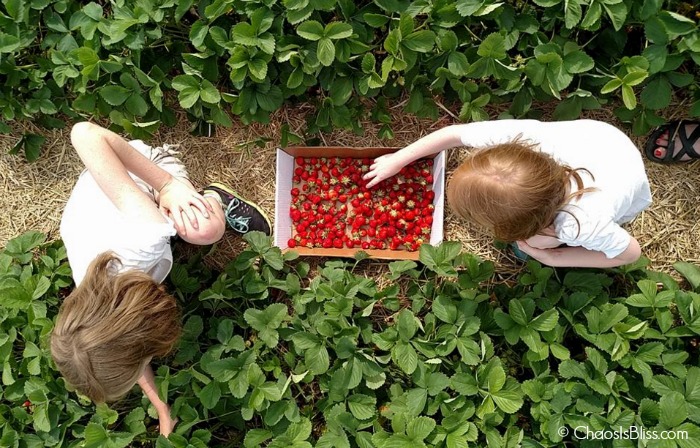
[33,195]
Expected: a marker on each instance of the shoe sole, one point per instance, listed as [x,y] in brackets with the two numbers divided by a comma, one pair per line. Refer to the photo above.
[252,204]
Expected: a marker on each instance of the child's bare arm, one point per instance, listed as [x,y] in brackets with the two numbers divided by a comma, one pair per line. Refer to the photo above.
[476,134]
[110,158]
[148,384]
[581,257]
[388,165]
[543,242]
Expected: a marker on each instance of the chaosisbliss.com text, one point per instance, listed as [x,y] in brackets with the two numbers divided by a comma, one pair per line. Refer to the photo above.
[621,433]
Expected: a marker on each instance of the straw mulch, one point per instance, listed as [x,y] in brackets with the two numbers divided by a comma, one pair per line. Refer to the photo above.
[33,194]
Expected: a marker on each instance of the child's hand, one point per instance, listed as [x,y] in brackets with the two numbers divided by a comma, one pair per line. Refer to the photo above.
[383,168]
[177,200]
[166,423]
[541,255]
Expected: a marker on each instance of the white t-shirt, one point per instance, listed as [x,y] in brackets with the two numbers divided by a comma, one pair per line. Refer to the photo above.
[622,188]
[91,224]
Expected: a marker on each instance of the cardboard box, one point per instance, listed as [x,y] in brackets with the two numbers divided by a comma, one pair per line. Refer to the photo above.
[283,199]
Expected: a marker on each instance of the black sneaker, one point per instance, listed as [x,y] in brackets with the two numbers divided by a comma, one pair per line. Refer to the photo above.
[242,216]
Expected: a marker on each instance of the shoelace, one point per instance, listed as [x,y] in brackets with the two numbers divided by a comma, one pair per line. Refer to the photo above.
[237,222]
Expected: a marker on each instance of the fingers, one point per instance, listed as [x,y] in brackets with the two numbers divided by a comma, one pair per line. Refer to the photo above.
[202,204]
[375,177]
[177,220]
[377,162]
[188,213]
[374,182]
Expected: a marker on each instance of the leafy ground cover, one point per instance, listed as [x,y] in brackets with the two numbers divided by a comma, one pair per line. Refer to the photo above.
[137,61]
[433,354]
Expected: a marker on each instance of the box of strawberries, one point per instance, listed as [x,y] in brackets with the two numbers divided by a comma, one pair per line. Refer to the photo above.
[324,208]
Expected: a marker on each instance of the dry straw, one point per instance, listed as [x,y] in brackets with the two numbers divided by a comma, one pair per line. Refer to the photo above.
[33,195]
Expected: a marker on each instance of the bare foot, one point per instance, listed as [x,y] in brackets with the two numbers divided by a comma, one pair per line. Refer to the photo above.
[663,144]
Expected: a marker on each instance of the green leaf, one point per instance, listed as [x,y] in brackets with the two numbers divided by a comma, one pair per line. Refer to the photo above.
[15,296]
[650,8]
[326,51]
[405,356]
[518,313]
[209,93]
[392,41]
[690,271]
[419,428]
[677,24]
[634,78]
[507,400]
[182,82]
[628,97]
[572,13]
[299,431]
[494,46]
[256,437]
[17,9]
[95,436]
[673,410]
[457,64]
[338,30]
[445,309]
[362,407]
[611,85]
[311,30]
[114,95]
[492,377]
[258,68]
[578,62]
[210,394]
[198,32]
[271,100]
[406,325]
[421,41]
[8,43]
[617,13]
[547,3]
[649,352]
[657,94]
[136,105]
[217,9]
[317,360]
[466,8]
[368,63]
[545,321]
[271,317]
[189,90]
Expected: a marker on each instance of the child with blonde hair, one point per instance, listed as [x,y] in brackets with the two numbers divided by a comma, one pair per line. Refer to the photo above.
[560,190]
[117,225]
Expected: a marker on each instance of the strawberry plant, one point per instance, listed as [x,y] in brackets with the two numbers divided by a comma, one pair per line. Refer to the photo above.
[136,62]
[332,207]
[429,353]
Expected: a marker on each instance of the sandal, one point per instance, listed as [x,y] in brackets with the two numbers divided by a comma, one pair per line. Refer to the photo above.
[672,155]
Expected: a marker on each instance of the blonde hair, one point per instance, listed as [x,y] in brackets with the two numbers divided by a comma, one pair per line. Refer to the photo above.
[512,189]
[110,327]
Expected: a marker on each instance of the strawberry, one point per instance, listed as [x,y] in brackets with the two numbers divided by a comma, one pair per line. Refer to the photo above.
[332,207]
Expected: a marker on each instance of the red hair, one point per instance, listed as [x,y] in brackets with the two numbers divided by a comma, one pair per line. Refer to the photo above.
[512,189]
